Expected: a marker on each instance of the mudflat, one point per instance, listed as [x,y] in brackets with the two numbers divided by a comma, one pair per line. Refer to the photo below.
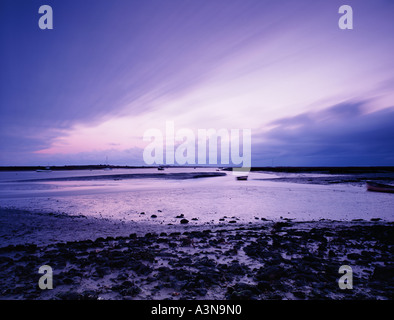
[99,259]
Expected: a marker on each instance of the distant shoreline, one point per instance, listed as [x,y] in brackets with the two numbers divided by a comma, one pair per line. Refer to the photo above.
[330,170]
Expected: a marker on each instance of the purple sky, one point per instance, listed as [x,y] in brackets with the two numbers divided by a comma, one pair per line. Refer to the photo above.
[312,94]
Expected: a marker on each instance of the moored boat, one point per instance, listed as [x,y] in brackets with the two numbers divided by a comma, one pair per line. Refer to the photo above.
[242,178]
[47,169]
[379,187]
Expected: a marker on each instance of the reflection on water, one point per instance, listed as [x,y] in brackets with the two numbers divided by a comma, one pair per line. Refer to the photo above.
[204,200]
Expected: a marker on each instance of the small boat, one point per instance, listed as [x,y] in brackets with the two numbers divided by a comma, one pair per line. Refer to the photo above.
[47,169]
[242,178]
[160,168]
[379,187]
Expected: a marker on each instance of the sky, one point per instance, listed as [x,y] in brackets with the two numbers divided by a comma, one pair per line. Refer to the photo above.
[87,90]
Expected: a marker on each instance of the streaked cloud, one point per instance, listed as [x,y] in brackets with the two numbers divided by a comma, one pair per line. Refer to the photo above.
[108,72]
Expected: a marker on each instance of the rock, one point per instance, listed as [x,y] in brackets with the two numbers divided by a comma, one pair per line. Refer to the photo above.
[180,216]
[367,254]
[149,235]
[206,262]
[270,273]
[331,254]
[175,234]
[242,295]
[237,268]
[299,294]
[89,295]
[232,221]
[201,291]
[210,276]
[184,221]
[242,291]
[245,286]
[279,225]
[185,261]
[132,291]
[68,296]
[383,273]
[153,216]
[122,276]
[353,256]
[67,281]
[102,271]
[127,288]
[264,286]
[186,242]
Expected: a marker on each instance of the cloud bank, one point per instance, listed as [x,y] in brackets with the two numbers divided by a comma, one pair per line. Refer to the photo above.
[339,135]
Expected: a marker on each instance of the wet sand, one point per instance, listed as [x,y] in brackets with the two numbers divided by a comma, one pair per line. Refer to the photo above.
[103,259]
[123,176]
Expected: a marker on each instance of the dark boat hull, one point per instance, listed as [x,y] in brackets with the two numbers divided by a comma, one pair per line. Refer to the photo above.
[242,178]
[379,187]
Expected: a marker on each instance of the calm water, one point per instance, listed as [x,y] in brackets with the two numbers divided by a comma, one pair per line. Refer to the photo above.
[206,199]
